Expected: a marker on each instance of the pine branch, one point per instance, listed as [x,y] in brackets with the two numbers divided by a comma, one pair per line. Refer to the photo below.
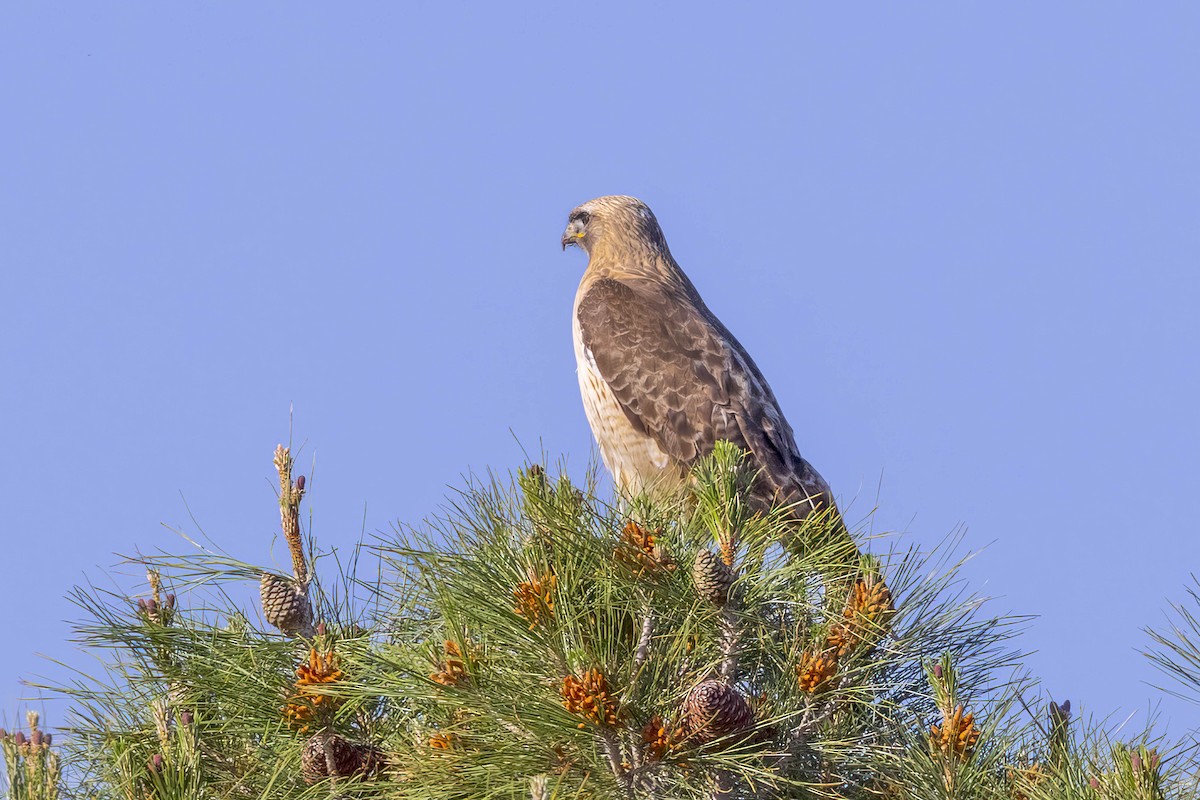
[730,638]
[643,647]
[290,495]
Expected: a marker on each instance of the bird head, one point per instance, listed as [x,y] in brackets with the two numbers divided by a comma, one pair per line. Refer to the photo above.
[611,218]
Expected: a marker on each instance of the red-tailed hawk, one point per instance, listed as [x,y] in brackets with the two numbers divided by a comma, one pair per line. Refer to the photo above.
[662,379]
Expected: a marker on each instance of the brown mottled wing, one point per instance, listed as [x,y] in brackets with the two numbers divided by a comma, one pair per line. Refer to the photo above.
[683,379]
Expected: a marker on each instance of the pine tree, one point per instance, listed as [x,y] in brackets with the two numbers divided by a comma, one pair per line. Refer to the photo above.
[540,642]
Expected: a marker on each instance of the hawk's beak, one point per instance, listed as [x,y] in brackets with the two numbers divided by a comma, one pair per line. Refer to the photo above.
[572,235]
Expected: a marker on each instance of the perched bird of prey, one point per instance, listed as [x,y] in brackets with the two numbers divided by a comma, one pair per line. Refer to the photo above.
[662,379]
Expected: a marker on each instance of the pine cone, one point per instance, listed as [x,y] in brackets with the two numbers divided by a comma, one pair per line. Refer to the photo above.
[328,755]
[713,710]
[285,605]
[711,577]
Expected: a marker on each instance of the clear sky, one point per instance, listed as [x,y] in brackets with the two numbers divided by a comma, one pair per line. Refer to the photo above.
[961,241]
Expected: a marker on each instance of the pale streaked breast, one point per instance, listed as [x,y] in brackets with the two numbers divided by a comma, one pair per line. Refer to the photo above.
[634,459]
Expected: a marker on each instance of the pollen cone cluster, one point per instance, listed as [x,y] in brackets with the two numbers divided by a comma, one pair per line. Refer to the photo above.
[713,710]
[957,735]
[816,670]
[308,707]
[658,738]
[712,577]
[451,670]
[328,755]
[534,598]
[590,698]
[285,605]
[868,610]
[443,740]
[863,621]
[640,551]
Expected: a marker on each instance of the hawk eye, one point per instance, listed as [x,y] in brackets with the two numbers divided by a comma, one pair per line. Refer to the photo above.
[582,217]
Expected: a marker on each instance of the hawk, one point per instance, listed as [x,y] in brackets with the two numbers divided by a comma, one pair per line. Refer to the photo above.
[662,379]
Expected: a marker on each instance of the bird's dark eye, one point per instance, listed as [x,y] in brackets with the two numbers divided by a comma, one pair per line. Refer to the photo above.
[582,217]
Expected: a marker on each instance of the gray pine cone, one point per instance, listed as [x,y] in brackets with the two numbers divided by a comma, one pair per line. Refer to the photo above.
[285,605]
[711,577]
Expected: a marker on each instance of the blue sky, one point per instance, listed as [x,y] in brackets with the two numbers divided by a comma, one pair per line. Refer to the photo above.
[960,240]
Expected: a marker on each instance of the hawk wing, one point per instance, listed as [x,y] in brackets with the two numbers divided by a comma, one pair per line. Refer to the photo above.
[682,379]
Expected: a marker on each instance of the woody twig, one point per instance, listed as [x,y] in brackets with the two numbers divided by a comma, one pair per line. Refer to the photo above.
[290,494]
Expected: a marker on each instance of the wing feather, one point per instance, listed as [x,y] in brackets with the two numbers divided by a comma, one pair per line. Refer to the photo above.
[681,378]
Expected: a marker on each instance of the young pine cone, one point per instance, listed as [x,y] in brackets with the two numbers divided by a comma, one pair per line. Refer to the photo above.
[328,755]
[285,605]
[713,710]
[712,577]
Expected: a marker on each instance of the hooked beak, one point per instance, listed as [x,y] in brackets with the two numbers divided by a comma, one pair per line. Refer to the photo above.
[572,235]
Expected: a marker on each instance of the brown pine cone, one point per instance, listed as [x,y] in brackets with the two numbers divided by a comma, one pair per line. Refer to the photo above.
[285,605]
[713,710]
[712,577]
[328,755]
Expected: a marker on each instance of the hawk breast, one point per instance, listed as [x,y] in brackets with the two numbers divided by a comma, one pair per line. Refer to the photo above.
[635,460]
